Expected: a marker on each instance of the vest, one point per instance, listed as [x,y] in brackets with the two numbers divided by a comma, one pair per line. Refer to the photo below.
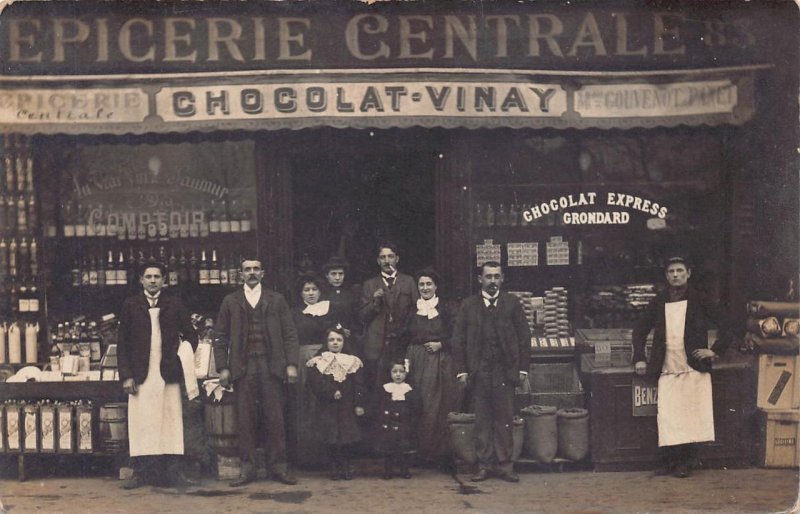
[491,349]
[256,339]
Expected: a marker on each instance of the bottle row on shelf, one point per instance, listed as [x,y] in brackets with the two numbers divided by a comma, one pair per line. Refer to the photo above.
[79,220]
[20,299]
[17,162]
[18,214]
[198,266]
[19,259]
[513,215]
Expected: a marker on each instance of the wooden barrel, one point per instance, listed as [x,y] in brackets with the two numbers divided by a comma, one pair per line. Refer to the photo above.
[220,420]
[113,427]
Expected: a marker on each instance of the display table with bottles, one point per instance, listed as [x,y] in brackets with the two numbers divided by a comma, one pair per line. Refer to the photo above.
[41,419]
[624,434]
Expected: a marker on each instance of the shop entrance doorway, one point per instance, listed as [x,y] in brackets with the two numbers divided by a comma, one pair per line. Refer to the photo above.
[355,189]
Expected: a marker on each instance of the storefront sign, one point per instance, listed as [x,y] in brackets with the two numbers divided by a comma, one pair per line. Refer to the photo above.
[385,98]
[645,396]
[90,38]
[353,99]
[648,100]
[68,106]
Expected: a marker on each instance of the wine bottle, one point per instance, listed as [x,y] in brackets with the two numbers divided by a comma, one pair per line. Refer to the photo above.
[194,276]
[223,271]
[90,229]
[224,219]
[183,271]
[247,224]
[33,300]
[3,214]
[213,270]
[233,270]
[101,271]
[34,258]
[213,224]
[76,274]
[172,270]
[33,215]
[204,271]
[22,215]
[23,304]
[92,272]
[110,272]
[12,258]
[29,175]
[3,260]
[80,221]
[11,215]
[122,274]
[23,257]
[236,222]
[130,270]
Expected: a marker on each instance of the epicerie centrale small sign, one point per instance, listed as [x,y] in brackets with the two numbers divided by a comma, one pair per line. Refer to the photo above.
[622,205]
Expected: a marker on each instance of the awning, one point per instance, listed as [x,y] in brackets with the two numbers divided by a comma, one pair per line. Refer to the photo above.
[377,98]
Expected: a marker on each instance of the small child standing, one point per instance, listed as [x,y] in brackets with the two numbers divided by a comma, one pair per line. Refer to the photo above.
[336,380]
[396,415]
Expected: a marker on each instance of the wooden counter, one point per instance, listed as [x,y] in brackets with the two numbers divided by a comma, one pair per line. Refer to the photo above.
[622,441]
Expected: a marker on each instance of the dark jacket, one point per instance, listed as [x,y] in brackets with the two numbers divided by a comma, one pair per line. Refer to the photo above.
[133,345]
[701,314]
[230,334]
[384,320]
[396,423]
[512,328]
[418,329]
[344,305]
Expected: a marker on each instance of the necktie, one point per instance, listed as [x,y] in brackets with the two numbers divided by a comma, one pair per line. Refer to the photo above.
[153,302]
[390,282]
[492,302]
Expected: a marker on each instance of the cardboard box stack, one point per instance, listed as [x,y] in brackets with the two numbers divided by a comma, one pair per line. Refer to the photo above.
[556,313]
[773,333]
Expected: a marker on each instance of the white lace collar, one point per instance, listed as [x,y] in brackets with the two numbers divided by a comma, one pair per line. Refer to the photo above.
[427,308]
[398,391]
[318,309]
[337,364]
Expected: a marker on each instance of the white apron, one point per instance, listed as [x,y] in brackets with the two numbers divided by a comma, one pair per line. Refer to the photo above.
[155,423]
[685,408]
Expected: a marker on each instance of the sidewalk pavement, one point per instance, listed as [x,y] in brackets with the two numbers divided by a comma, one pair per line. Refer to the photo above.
[751,490]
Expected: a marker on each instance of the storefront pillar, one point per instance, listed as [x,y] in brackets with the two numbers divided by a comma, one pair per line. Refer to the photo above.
[274,182]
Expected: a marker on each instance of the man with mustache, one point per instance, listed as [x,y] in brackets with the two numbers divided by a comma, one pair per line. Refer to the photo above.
[491,351]
[386,302]
[256,349]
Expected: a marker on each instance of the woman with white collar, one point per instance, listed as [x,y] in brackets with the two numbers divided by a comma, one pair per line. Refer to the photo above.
[311,316]
[427,334]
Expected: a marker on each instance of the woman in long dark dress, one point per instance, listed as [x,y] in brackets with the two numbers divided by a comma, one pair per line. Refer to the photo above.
[311,317]
[430,369]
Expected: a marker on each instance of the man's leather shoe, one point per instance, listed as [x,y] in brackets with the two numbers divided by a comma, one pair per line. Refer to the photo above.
[243,480]
[133,482]
[480,476]
[508,476]
[284,477]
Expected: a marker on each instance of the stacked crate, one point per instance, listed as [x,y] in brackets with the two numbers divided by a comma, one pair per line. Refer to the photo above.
[772,332]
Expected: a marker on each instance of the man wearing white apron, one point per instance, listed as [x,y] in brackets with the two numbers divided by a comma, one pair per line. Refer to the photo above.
[151,327]
[680,357]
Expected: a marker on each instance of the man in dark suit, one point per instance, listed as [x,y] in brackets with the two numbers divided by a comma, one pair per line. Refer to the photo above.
[491,351]
[386,302]
[256,348]
[150,331]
